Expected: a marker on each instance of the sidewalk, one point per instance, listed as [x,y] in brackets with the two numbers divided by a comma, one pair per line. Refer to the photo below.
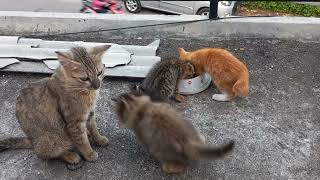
[276,128]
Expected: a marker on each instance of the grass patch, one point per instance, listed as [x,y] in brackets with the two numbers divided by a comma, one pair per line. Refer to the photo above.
[284,7]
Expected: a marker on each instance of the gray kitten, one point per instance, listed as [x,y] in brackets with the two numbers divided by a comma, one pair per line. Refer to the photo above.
[171,139]
[57,113]
[161,82]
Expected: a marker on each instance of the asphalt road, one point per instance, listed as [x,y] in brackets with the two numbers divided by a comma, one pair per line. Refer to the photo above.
[68,6]
[71,6]
[276,128]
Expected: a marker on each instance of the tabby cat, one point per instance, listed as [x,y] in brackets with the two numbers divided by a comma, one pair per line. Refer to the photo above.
[170,138]
[57,113]
[161,81]
[229,74]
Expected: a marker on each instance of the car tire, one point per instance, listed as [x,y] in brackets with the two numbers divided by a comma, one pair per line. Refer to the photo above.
[133,6]
[204,12]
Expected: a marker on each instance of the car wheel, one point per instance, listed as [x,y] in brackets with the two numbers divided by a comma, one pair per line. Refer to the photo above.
[203,12]
[133,6]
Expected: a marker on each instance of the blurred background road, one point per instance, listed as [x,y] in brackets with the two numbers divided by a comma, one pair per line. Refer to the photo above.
[68,6]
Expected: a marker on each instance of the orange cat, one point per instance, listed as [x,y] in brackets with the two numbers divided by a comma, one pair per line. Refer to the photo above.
[229,74]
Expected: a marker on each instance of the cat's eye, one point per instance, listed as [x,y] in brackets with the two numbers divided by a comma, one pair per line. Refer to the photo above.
[84,79]
[99,73]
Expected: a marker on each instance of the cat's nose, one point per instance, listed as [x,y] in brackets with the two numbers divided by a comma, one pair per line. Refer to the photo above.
[95,84]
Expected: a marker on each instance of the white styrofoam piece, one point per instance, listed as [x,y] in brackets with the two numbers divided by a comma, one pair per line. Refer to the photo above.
[136,61]
[28,66]
[121,60]
[7,61]
[24,51]
[9,39]
[128,71]
[110,59]
[115,48]
[52,64]
[39,67]
[149,50]
[116,59]
[11,50]
[8,50]
[56,44]
[142,50]
[144,60]
[42,53]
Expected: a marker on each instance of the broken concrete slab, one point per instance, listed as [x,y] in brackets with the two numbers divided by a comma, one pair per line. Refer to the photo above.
[129,71]
[136,71]
[110,59]
[115,55]
[27,52]
[9,39]
[149,50]
[29,67]
[138,67]
[7,61]
[52,64]
[42,51]
[144,60]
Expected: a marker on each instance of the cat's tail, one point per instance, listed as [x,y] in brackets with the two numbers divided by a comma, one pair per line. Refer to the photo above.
[15,143]
[202,151]
[241,87]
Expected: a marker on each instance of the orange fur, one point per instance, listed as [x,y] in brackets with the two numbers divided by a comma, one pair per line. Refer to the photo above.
[229,74]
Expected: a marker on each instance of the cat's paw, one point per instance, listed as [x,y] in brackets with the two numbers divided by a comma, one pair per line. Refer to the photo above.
[220,97]
[93,156]
[172,168]
[71,158]
[179,98]
[102,141]
[202,138]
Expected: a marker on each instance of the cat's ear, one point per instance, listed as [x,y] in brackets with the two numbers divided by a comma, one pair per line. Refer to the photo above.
[65,59]
[114,102]
[136,89]
[98,51]
[182,53]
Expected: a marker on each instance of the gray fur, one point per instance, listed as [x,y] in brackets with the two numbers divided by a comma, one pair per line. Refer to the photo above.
[161,82]
[166,134]
[57,113]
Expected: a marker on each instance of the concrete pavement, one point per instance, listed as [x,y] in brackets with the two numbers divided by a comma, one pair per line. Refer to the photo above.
[276,128]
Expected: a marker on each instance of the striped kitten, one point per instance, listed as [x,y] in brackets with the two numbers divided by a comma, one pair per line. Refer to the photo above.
[166,134]
[57,113]
[161,82]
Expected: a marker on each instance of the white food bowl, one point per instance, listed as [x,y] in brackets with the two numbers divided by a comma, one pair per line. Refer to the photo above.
[194,85]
